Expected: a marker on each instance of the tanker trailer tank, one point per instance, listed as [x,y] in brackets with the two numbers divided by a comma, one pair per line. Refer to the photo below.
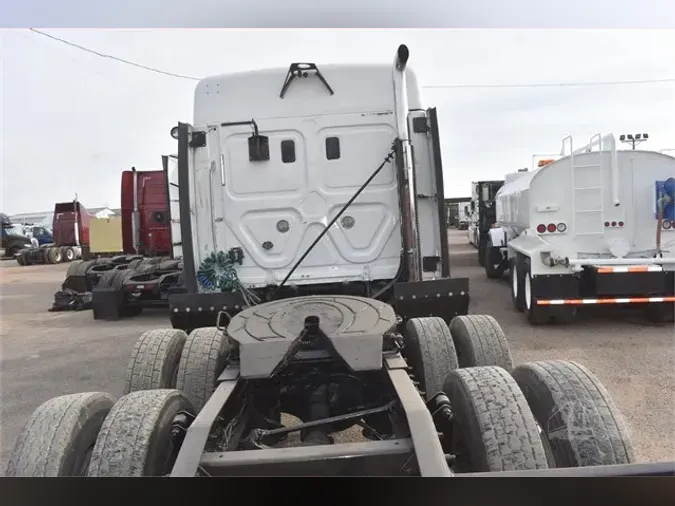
[593,227]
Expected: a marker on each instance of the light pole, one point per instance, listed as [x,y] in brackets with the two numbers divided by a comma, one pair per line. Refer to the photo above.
[633,140]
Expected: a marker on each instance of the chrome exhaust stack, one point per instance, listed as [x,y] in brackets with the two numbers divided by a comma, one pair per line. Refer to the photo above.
[405,167]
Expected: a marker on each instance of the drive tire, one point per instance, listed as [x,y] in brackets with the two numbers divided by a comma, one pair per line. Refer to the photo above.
[204,357]
[581,423]
[431,351]
[480,341]
[154,360]
[135,439]
[68,254]
[494,428]
[55,255]
[59,436]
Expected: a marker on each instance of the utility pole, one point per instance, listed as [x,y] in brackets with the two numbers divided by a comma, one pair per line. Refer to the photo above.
[633,140]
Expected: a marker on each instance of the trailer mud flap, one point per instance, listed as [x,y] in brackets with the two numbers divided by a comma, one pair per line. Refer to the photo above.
[444,298]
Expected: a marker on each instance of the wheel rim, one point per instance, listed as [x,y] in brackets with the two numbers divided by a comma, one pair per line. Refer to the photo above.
[514,280]
[70,254]
[528,291]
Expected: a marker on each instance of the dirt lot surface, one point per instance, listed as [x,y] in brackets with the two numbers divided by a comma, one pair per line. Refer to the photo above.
[47,354]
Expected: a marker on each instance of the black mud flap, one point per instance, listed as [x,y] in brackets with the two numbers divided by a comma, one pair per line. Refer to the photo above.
[106,303]
[189,311]
[444,298]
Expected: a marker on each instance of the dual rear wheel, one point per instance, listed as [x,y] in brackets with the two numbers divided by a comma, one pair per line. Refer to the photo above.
[524,296]
[533,416]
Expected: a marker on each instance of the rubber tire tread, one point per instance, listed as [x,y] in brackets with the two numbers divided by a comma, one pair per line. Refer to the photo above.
[516,269]
[500,430]
[490,271]
[47,443]
[135,438]
[154,360]
[480,341]
[203,359]
[65,250]
[601,439]
[433,353]
[56,255]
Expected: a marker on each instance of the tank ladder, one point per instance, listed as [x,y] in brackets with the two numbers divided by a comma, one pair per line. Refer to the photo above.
[588,189]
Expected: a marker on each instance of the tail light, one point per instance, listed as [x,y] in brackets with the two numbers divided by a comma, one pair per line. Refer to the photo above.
[541,228]
[621,223]
[551,227]
[562,227]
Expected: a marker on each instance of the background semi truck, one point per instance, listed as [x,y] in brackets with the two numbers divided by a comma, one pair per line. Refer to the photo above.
[70,235]
[463,215]
[12,241]
[129,263]
[593,227]
[483,216]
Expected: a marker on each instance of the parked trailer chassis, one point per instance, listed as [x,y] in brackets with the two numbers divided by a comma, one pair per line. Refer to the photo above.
[122,285]
[642,282]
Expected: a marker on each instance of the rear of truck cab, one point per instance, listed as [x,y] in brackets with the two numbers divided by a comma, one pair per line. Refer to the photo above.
[261,178]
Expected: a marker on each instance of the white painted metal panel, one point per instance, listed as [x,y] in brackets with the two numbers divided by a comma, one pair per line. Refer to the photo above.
[240,202]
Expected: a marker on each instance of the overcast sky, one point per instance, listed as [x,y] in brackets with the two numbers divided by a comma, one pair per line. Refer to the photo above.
[71,121]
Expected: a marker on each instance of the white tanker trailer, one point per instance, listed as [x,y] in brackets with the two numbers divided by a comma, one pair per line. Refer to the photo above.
[596,226]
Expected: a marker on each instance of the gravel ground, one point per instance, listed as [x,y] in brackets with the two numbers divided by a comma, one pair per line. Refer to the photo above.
[47,354]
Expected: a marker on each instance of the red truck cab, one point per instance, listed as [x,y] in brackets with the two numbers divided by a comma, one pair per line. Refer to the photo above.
[145,213]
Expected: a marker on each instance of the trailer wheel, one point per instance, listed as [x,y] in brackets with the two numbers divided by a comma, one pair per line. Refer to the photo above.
[492,271]
[516,281]
[68,254]
[535,314]
[577,415]
[480,341]
[494,428]
[59,436]
[204,357]
[76,277]
[136,436]
[56,255]
[169,265]
[431,351]
[154,360]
